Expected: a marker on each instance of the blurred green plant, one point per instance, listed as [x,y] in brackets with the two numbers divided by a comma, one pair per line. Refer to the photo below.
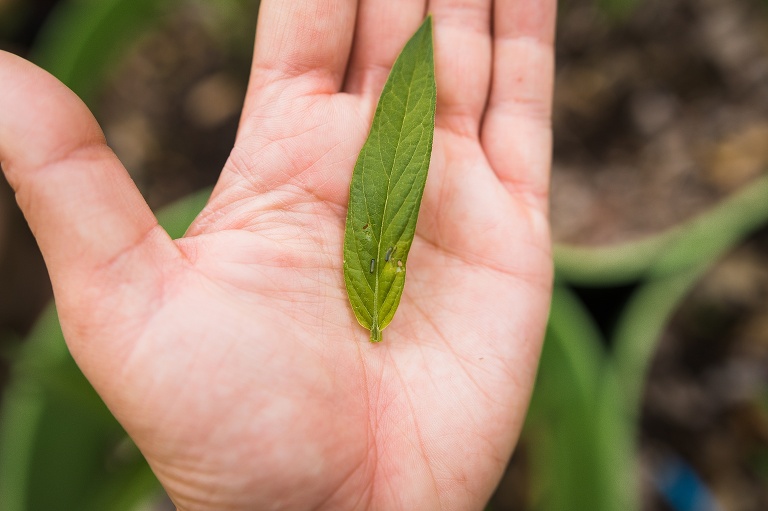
[670,252]
[618,9]
[586,404]
[578,436]
[83,39]
[62,449]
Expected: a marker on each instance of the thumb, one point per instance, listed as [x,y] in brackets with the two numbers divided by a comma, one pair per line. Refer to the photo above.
[93,227]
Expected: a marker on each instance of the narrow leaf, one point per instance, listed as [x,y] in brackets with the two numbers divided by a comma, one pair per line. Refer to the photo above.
[387,185]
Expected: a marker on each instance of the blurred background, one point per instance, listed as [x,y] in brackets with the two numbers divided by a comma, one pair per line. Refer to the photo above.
[653,387]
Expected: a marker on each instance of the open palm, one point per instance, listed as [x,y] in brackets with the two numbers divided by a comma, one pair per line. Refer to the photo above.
[232,356]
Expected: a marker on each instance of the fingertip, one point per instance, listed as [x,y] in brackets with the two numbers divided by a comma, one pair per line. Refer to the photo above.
[34,103]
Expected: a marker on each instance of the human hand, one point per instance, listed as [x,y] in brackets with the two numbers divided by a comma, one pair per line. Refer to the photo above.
[232,356]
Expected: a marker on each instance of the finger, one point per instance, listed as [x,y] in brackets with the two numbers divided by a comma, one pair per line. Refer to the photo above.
[79,201]
[516,132]
[306,41]
[383,27]
[462,63]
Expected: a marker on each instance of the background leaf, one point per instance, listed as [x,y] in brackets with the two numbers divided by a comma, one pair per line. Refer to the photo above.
[580,442]
[672,251]
[83,39]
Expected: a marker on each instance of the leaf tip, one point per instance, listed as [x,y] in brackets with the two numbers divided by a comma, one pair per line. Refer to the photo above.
[427,24]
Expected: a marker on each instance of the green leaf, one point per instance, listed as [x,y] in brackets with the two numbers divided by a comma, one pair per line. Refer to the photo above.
[578,436]
[676,250]
[387,185]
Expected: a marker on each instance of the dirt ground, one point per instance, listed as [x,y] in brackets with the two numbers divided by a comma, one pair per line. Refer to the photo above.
[658,115]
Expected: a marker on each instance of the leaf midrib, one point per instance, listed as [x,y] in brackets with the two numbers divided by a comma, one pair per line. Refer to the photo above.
[375,315]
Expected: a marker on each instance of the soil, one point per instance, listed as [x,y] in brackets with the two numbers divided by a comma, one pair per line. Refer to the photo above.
[659,114]
[656,116]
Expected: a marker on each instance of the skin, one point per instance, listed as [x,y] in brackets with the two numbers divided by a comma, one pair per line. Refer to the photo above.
[231,356]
